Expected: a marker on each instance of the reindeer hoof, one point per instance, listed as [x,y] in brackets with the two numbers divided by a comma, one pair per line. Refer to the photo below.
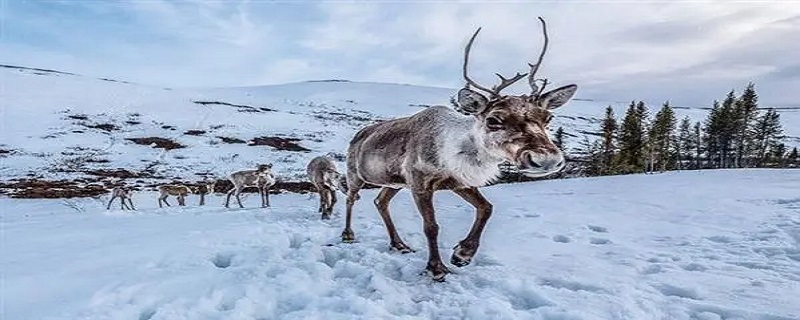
[348,236]
[461,256]
[437,272]
[402,248]
[326,217]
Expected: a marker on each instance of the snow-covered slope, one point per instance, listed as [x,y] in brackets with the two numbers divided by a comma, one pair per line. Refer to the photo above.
[681,245]
[59,125]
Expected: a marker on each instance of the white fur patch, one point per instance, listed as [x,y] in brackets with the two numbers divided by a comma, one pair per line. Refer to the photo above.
[463,155]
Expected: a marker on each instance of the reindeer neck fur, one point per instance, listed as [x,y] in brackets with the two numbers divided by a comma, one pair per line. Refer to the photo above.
[462,152]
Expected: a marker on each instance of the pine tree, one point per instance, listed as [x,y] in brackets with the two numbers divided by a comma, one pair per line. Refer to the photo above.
[590,155]
[793,159]
[558,138]
[766,134]
[609,130]
[729,127]
[631,140]
[661,136]
[747,113]
[697,138]
[712,131]
[684,146]
[779,155]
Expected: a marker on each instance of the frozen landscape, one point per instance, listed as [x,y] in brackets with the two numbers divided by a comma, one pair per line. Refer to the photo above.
[721,244]
[79,127]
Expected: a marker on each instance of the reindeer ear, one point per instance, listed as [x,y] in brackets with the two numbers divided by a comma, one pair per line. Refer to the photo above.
[558,97]
[471,102]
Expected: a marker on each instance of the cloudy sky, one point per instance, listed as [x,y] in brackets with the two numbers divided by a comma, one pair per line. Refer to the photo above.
[689,52]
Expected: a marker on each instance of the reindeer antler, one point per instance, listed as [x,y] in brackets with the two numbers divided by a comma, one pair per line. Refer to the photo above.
[504,82]
[466,62]
[535,90]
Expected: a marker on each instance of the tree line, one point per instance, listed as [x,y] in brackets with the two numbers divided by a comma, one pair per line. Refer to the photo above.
[736,133]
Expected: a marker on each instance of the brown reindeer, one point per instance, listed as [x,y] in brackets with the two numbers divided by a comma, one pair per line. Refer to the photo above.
[206,188]
[322,173]
[177,190]
[441,149]
[261,178]
[123,194]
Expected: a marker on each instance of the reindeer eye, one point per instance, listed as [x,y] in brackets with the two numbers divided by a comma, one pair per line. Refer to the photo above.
[493,123]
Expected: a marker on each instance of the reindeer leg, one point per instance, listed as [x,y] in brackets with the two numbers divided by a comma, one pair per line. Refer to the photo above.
[466,249]
[131,202]
[321,201]
[167,203]
[122,204]
[261,195]
[266,196]
[324,202]
[382,203]
[202,199]
[239,200]
[435,267]
[352,197]
[108,207]
[332,201]
[228,199]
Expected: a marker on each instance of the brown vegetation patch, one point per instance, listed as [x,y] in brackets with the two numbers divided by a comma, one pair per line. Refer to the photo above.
[78,117]
[108,127]
[286,144]
[231,140]
[241,107]
[163,143]
[195,132]
[44,189]
[114,173]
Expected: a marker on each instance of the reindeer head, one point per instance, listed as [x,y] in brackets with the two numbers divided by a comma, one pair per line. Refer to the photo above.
[265,168]
[515,127]
[332,178]
[210,184]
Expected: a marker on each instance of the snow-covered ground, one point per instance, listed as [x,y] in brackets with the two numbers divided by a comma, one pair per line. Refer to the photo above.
[682,245]
[57,125]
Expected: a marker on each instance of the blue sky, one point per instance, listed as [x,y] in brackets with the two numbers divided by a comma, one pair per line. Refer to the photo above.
[689,52]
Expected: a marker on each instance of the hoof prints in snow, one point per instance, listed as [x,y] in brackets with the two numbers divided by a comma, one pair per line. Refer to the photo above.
[222,260]
[673,291]
[147,314]
[598,229]
[571,285]
[561,239]
[599,241]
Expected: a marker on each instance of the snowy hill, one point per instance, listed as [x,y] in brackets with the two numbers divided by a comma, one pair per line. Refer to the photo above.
[680,245]
[59,125]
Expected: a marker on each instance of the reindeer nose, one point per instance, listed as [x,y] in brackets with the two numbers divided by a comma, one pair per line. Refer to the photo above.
[546,162]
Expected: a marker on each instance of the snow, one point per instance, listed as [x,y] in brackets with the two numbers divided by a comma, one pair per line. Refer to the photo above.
[36,106]
[720,244]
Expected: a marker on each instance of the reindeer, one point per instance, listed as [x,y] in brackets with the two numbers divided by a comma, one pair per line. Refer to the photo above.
[178,190]
[123,194]
[262,178]
[322,173]
[441,149]
[206,188]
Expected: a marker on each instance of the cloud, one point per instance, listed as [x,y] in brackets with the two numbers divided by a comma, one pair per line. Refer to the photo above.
[688,52]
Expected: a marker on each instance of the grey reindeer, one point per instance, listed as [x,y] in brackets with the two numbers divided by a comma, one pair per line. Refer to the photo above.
[123,193]
[441,149]
[325,178]
[262,178]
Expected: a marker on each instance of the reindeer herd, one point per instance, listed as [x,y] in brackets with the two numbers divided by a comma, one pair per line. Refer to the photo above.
[438,148]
